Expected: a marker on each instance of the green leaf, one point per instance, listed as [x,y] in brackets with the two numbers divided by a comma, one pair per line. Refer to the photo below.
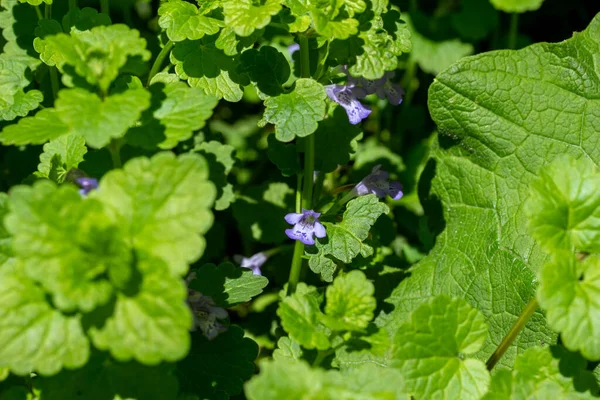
[476,19]
[77,20]
[287,349]
[350,302]
[218,368]
[300,316]
[564,206]
[322,265]
[69,148]
[5,239]
[539,375]
[67,244]
[220,161]
[517,6]
[14,78]
[34,336]
[244,16]
[22,103]
[45,125]
[96,55]
[569,293]
[500,126]
[163,204]
[296,114]
[430,350]
[175,113]
[267,68]
[182,21]
[207,67]
[150,325]
[36,2]
[285,156]
[328,28]
[344,240]
[103,378]
[228,284]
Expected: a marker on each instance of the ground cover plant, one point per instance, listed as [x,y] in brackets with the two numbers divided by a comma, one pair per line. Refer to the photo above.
[299,199]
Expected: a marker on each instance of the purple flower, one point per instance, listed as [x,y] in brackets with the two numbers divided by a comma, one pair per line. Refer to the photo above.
[205,312]
[383,87]
[392,91]
[292,48]
[306,224]
[346,96]
[377,183]
[86,185]
[254,263]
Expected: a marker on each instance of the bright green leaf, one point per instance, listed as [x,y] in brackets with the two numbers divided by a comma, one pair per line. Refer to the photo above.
[297,113]
[517,6]
[163,204]
[22,103]
[322,265]
[45,125]
[430,351]
[182,21]
[36,2]
[70,149]
[350,302]
[244,16]
[287,348]
[220,161]
[5,239]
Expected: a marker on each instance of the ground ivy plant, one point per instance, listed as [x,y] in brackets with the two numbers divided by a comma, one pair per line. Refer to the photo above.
[205,199]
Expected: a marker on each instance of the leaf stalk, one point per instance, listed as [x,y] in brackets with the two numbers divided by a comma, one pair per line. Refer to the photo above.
[159,61]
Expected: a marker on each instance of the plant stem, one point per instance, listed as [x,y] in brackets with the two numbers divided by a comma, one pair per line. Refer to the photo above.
[159,60]
[321,355]
[39,13]
[54,81]
[512,335]
[309,167]
[105,7]
[47,11]
[298,193]
[115,153]
[72,4]
[512,35]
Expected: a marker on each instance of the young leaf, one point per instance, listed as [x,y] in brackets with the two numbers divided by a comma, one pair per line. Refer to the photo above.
[228,284]
[163,204]
[244,16]
[296,114]
[152,324]
[564,206]
[300,315]
[70,149]
[430,351]
[34,336]
[183,21]
[350,302]
[569,292]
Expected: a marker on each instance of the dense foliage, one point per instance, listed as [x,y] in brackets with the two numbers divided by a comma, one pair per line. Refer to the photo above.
[207,199]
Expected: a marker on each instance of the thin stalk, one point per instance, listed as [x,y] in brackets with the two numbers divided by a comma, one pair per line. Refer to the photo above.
[54,81]
[105,7]
[159,60]
[39,13]
[512,334]
[408,82]
[115,153]
[72,4]
[309,167]
[514,27]
[298,193]
[48,11]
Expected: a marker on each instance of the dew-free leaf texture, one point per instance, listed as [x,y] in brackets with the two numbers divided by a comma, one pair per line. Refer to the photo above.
[244,16]
[70,149]
[517,6]
[564,206]
[163,203]
[33,335]
[350,302]
[502,117]
[22,103]
[182,20]
[430,351]
[228,284]
[297,113]
[150,325]
[569,292]
[45,125]
[267,68]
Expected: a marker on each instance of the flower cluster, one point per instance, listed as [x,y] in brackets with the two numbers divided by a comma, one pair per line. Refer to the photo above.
[357,88]
[306,225]
[253,263]
[205,312]
[377,182]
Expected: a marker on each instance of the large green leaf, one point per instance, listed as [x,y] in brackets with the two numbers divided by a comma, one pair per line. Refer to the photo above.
[244,16]
[182,21]
[502,116]
[350,302]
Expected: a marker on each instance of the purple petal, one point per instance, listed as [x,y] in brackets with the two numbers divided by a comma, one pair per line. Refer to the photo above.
[310,213]
[320,230]
[333,92]
[361,189]
[292,48]
[359,92]
[395,190]
[381,93]
[394,93]
[356,111]
[293,218]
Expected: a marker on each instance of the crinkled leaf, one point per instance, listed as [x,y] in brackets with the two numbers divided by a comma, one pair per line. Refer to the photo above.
[152,324]
[338,29]
[83,19]
[350,302]
[163,204]
[297,113]
[70,149]
[176,111]
[287,349]
[322,265]
[220,161]
[244,16]
[45,125]
[34,336]
[182,21]
[218,368]
[300,316]
[205,66]
[564,206]
[66,243]
[569,292]
[430,350]
[267,68]
[517,6]
[22,103]
[228,284]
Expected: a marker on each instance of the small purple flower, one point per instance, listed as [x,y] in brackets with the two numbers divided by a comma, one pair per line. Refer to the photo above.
[306,224]
[392,91]
[377,183]
[346,96]
[383,87]
[292,48]
[205,312]
[86,185]
[254,263]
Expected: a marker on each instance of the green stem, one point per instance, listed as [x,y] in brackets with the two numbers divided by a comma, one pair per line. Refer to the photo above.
[54,81]
[514,27]
[408,82]
[512,335]
[159,60]
[72,4]
[105,7]
[298,193]
[115,153]
[48,11]
[39,13]
[340,203]
[321,355]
